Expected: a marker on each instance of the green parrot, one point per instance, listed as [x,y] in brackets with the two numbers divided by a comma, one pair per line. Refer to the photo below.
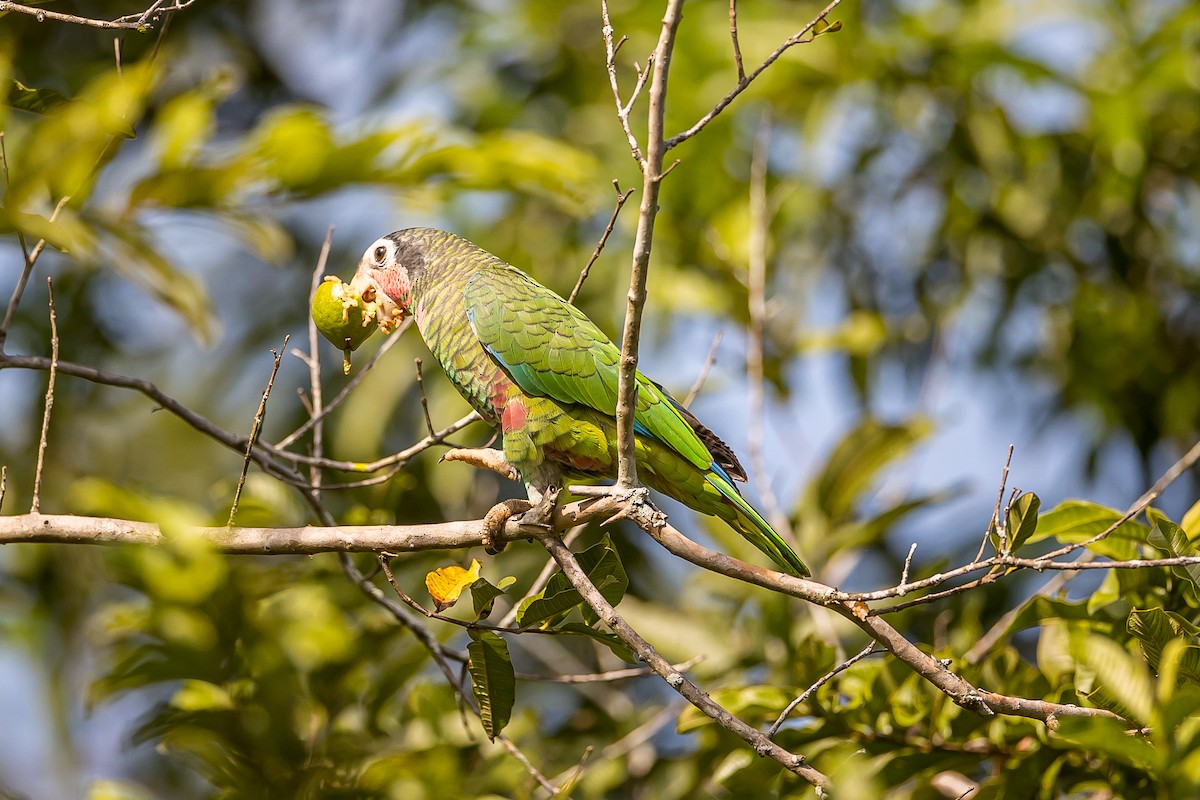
[533,364]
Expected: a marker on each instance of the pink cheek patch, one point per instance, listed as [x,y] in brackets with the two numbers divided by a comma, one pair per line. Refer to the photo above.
[395,284]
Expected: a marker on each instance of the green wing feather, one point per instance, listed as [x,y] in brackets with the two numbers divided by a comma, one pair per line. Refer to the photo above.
[551,349]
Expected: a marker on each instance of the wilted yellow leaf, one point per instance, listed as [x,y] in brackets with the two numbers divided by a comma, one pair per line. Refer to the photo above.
[447,583]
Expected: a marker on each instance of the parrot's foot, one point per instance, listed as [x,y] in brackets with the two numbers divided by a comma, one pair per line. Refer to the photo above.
[495,520]
[539,515]
[484,458]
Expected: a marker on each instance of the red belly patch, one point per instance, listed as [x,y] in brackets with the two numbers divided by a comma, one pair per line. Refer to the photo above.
[514,416]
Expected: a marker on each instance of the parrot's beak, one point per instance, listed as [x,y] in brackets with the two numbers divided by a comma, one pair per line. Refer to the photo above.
[366,283]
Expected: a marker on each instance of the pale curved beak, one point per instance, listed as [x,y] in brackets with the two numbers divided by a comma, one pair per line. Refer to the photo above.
[366,283]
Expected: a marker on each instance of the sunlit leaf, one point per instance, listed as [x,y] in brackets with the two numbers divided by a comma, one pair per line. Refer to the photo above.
[447,583]
[493,681]
[1120,676]
[484,594]
[1022,520]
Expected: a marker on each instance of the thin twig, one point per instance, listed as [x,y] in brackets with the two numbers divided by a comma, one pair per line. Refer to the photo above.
[610,61]
[995,522]
[255,427]
[757,305]
[908,562]
[3,484]
[800,37]
[608,229]
[824,679]
[677,681]
[140,22]
[702,378]
[643,241]
[424,400]
[733,34]
[36,504]
[316,405]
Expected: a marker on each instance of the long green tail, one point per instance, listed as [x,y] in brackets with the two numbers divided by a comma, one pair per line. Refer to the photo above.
[758,531]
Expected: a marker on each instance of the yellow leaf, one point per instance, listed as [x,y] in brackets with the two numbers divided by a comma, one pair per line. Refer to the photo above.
[447,583]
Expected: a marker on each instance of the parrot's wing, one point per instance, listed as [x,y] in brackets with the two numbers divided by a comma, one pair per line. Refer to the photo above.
[552,350]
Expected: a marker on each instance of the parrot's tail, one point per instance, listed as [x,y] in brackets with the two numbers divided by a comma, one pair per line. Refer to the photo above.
[757,530]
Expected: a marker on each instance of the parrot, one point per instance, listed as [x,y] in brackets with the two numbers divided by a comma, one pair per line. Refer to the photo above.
[535,366]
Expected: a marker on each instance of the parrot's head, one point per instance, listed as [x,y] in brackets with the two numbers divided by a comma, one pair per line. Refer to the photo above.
[388,271]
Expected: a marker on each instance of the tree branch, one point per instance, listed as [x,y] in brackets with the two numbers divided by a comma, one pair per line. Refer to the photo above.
[140,22]
[651,179]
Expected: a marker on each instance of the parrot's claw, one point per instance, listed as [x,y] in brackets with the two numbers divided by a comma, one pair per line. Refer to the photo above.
[495,520]
[540,515]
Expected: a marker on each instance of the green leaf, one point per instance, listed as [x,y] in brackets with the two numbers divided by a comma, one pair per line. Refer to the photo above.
[1121,677]
[857,461]
[38,101]
[483,597]
[1156,628]
[603,567]
[492,680]
[1172,540]
[609,640]
[1022,520]
[197,695]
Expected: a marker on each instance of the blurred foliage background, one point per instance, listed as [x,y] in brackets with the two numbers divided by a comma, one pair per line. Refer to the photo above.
[984,231]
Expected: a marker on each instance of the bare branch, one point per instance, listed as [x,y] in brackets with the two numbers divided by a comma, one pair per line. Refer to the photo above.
[651,180]
[709,360]
[803,36]
[995,522]
[608,229]
[733,34]
[424,400]
[36,504]
[256,427]
[140,22]
[316,406]
[3,484]
[610,50]
[676,680]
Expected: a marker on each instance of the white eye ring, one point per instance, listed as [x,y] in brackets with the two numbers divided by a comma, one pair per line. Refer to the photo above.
[379,255]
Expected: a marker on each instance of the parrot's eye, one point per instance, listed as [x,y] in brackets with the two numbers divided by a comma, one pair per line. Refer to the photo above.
[379,255]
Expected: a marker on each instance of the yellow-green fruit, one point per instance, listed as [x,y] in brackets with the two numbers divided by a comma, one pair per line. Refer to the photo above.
[338,314]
